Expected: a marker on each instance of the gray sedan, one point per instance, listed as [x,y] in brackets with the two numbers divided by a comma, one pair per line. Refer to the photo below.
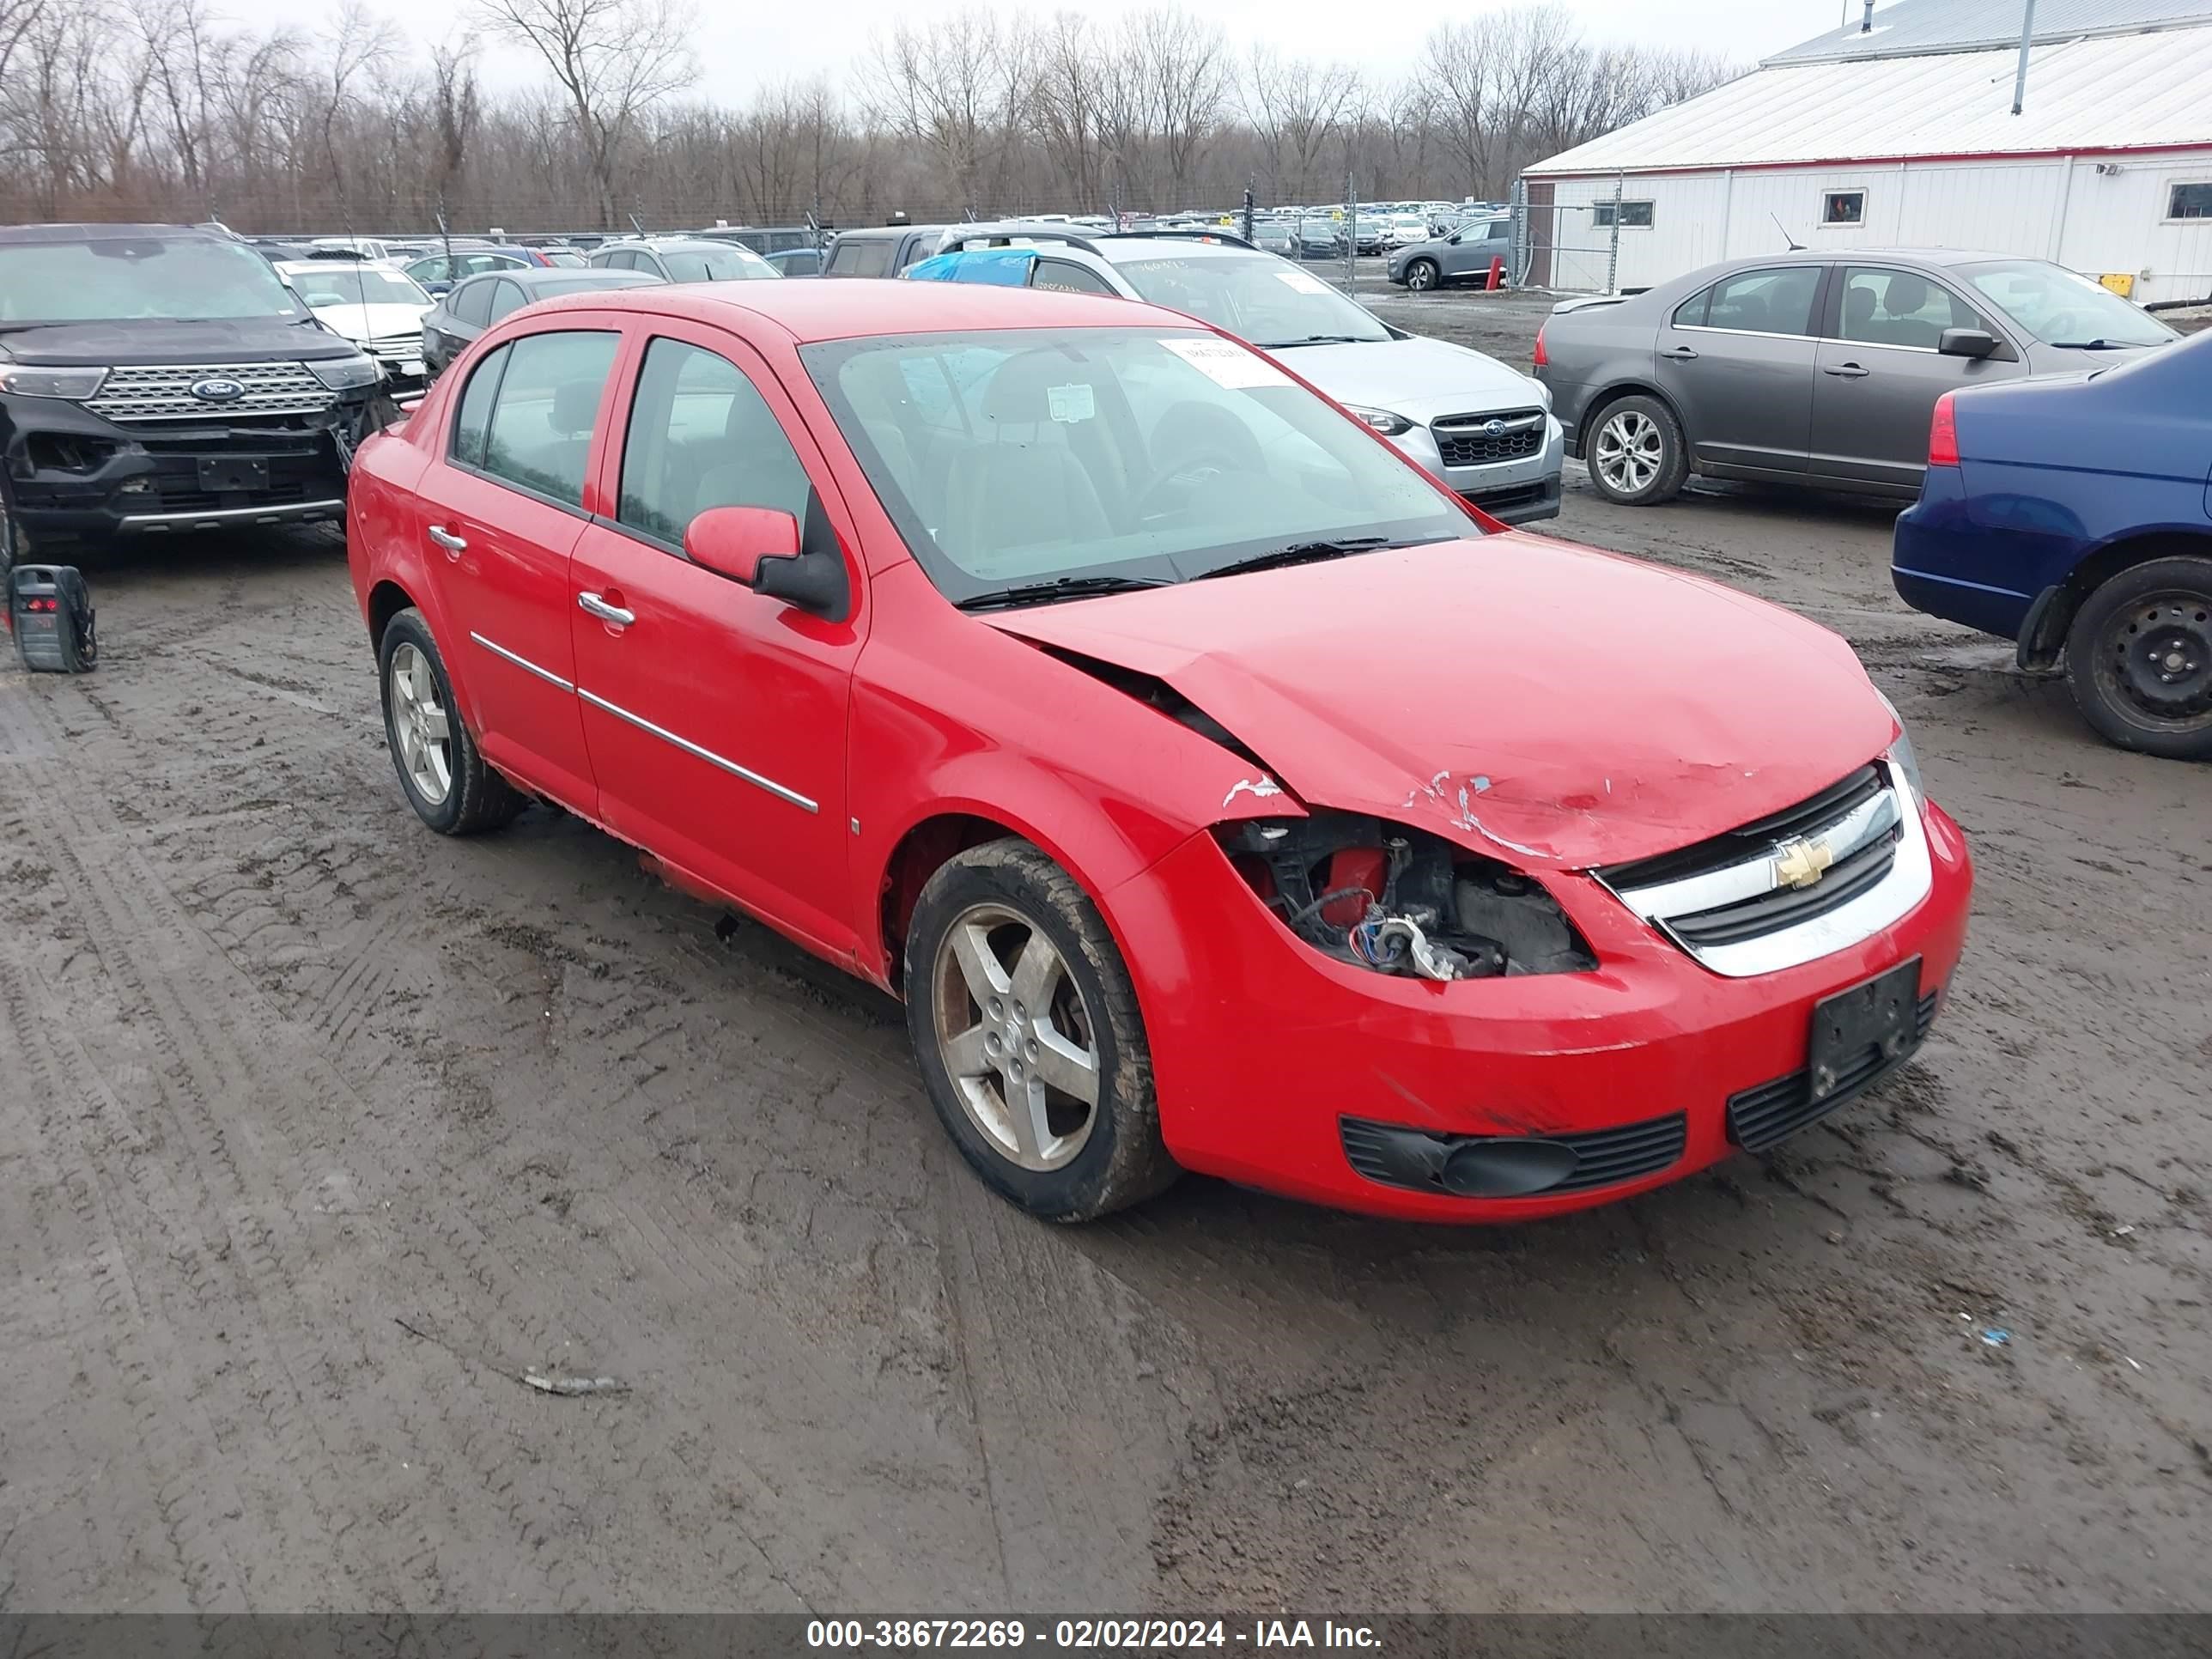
[1811,369]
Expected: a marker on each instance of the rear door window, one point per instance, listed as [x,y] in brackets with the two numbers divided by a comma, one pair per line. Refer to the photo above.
[540,430]
[1068,278]
[506,295]
[1773,300]
[471,303]
[871,257]
[474,420]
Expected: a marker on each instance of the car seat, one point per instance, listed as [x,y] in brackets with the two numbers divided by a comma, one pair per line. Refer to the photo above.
[1906,296]
[1022,484]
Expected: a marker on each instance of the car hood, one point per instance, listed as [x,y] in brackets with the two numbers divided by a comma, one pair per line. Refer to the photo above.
[373,322]
[1551,705]
[150,342]
[1420,379]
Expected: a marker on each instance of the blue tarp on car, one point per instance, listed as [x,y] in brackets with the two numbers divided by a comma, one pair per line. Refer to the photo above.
[1001,267]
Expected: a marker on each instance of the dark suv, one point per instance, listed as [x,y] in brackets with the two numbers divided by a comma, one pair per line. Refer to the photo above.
[156,377]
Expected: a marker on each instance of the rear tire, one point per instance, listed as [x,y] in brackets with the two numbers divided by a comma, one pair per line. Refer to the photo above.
[442,771]
[1636,453]
[2139,658]
[1019,1006]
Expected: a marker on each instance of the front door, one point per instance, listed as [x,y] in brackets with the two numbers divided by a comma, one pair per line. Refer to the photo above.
[502,510]
[1736,362]
[715,716]
[1880,373]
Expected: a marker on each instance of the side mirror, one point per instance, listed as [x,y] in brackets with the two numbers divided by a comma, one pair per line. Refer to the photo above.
[1966,342]
[733,540]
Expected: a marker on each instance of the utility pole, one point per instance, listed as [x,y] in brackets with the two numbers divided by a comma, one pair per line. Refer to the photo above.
[2027,38]
[1248,209]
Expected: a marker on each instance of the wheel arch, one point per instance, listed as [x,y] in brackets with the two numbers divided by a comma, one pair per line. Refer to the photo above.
[2052,616]
[1602,401]
[386,600]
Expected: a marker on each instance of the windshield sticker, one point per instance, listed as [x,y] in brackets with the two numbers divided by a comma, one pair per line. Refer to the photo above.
[1226,364]
[1071,404]
[1303,282]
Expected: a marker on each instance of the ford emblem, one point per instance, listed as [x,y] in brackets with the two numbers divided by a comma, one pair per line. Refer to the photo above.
[215,389]
[1490,429]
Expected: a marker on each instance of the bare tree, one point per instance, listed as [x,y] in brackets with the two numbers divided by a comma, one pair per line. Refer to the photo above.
[1295,107]
[613,59]
[457,109]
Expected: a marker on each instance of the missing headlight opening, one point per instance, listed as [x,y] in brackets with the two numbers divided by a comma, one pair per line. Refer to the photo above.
[1400,901]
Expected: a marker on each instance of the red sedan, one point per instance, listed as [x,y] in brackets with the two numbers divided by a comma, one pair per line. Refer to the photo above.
[1216,789]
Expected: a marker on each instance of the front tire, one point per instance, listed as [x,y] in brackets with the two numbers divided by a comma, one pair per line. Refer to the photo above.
[2139,658]
[442,771]
[1025,1022]
[1636,457]
[1422,275]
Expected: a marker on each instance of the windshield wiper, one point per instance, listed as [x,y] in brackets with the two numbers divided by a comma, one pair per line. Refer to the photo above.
[1319,339]
[1303,553]
[1060,587]
[2100,345]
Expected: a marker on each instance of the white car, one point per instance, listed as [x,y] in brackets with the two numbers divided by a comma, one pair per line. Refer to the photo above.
[1405,229]
[379,308]
[1485,429]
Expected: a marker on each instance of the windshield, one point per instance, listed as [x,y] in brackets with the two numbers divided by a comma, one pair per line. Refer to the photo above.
[352,285]
[721,264]
[1021,456]
[564,256]
[2063,307]
[117,279]
[1255,297]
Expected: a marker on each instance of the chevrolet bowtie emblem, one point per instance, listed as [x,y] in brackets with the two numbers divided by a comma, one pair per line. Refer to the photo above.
[1800,863]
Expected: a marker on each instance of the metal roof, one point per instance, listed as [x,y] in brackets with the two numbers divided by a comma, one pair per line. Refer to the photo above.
[1910,27]
[2116,93]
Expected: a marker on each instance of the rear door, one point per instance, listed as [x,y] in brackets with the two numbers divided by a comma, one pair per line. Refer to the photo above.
[502,508]
[1737,361]
[1880,373]
[715,716]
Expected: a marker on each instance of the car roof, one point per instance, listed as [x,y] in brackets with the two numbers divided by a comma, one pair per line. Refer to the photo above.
[84,233]
[870,232]
[863,306]
[535,275]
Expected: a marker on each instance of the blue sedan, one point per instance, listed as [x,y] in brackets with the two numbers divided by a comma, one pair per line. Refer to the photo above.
[2075,516]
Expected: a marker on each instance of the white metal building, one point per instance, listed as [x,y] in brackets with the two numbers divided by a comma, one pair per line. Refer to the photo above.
[1899,132]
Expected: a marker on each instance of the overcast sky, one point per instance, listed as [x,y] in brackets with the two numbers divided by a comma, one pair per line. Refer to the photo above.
[742,46]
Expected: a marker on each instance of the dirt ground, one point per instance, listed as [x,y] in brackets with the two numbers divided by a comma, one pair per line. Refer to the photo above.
[317,1130]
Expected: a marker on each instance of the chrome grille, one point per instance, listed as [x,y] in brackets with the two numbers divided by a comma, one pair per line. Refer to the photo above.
[1820,876]
[1467,439]
[163,392]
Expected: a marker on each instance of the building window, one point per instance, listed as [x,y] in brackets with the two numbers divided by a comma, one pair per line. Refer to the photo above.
[2190,202]
[1634,215]
[1843,207]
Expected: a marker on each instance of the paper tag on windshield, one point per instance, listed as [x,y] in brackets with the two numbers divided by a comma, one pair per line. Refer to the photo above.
[1071,404]
[1301,281]
[1228,365]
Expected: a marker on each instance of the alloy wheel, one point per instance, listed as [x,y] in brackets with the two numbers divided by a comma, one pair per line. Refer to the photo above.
[2159,652]
[419,724]
[1420,275]
[1630,451]
[1016,1038]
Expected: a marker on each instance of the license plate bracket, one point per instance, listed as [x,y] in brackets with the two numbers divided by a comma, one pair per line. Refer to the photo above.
[223,473]
[1874,1021]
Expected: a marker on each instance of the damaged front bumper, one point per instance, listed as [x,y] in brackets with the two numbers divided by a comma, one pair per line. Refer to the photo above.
[72,474]
[1283,1069]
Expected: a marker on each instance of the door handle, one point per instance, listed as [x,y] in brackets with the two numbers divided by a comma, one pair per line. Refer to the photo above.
[1845,371]
[1679,354]
[454,545]
[594,604]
